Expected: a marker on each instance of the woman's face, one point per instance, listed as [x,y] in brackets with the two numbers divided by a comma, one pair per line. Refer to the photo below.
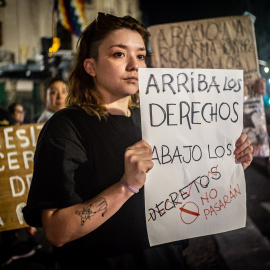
[18,115]
[115,73]
[56,96]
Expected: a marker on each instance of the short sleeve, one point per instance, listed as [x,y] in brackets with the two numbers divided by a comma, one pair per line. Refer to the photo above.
[60,162]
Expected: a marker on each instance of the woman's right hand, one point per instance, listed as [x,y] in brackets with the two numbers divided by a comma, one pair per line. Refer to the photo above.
[138,161]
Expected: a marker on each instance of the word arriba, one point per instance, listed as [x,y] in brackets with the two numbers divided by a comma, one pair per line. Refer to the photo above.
[189,84]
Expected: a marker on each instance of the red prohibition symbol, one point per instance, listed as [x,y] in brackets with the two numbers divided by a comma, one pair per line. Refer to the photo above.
[189,212]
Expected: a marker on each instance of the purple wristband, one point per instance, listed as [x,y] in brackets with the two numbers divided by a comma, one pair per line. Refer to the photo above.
[134,190]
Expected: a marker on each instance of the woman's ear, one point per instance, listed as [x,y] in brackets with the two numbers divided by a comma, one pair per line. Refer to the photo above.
[89,66]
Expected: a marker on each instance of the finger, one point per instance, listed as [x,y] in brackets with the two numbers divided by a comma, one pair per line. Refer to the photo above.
[140,144]
[246,163]
[242,147]
[141,163]
[145,166]
[247,149]
[145,158]
[247,157]
[150,166]
[246,160]
[139,148]
[138,153]
[241,139]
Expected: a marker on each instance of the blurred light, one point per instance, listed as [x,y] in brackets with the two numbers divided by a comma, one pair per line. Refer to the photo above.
[55,46]
[268,80]
[266,69]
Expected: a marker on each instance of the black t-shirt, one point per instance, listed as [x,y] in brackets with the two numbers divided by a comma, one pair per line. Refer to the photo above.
[77,157]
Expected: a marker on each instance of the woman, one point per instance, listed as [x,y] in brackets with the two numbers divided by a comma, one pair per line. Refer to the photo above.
[54,96]
[90,161]
[17,113]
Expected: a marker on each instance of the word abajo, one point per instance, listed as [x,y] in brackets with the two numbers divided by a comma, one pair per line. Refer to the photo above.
[190,33]
[164,155]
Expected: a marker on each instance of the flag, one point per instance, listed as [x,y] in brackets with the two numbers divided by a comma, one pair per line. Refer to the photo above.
[71,14]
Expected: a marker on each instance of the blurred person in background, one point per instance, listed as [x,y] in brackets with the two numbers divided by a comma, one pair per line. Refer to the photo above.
[17,113]
[55,97]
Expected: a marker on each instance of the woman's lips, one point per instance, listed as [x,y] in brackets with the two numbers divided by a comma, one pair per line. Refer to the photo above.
[131,79]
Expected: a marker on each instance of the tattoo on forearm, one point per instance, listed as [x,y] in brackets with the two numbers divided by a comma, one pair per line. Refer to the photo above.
[95,207]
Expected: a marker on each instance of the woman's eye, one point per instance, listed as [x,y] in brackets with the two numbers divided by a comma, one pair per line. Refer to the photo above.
[142,57]
[118,54]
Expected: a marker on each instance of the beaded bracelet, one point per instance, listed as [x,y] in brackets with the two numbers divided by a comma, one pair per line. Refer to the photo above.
[134,190]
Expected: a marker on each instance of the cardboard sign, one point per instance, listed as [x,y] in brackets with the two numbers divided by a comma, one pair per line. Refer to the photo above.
[192,119]
[17,147]
[217,43]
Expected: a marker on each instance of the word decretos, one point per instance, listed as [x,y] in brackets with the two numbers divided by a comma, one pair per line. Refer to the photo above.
[192,113]
[174,198]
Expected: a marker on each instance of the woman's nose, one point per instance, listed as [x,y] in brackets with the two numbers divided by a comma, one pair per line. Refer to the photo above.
[60,95]
[133,63]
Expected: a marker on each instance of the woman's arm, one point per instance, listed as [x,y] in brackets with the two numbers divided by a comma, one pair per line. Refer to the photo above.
[64,225]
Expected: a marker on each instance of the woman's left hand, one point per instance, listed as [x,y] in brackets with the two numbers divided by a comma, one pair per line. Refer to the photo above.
[243,151]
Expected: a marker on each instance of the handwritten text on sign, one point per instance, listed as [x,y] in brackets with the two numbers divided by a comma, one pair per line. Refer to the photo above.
[17,147]
[223,43]
[192,118]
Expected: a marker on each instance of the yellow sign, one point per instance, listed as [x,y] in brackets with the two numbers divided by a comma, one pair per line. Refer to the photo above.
[17,148]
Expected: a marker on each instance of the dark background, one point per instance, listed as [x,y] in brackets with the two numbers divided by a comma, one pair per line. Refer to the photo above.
[168,11]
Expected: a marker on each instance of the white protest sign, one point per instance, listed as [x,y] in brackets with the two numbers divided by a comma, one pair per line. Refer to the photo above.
[192,119]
